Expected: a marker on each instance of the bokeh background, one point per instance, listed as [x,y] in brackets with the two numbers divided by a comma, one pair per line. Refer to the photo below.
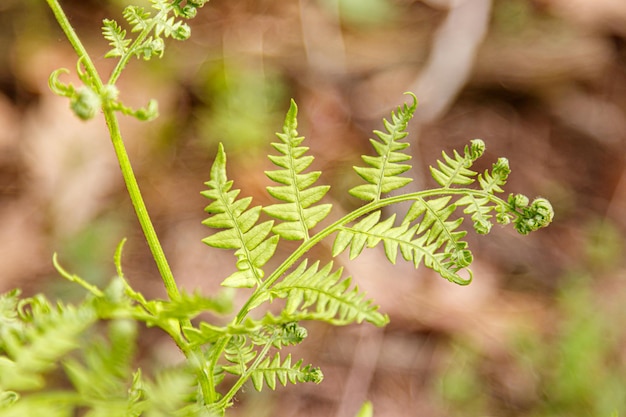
[541,330]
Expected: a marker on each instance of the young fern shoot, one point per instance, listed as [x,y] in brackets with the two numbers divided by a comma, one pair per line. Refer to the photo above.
[429,233]
[38,336]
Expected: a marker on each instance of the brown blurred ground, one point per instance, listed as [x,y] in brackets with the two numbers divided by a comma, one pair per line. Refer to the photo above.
[542,82]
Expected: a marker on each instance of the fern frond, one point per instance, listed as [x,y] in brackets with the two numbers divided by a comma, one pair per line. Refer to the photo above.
[103,376]
[137,17]
[298,212]
[239,353]
[116,36]
[433,240]
[493,181]
[456,171]
[383,172]
[172,28]
[149,48]
[37,348]
[170,393]
[272,369]
[165,5]
[242,233]
[480,207]
[315,293]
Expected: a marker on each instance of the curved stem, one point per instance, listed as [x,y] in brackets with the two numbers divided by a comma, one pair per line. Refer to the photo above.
[71,35]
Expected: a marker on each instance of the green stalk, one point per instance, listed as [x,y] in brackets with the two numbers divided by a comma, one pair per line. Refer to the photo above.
[120,152]
[205,380]
[71,35]
[139,205]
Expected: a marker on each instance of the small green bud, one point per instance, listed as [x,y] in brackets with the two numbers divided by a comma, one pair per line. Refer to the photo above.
[314,375]
[476,149]
[501,169]
[183,32]
[85,103]
[110,93]
[482,226]
[518,201]
[539,214]
[188,12]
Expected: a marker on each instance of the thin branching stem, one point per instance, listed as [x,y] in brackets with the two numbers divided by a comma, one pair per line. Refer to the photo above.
[140,207]
[74,40]
[223,403]
[204,379]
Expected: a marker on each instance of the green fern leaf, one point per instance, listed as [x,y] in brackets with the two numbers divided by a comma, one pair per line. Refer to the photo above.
[162,5]
[493,181]
[137,17]
[242,233]
[116,36]
[149,48]
[321,294]
[298,213]
[383,172]
[101,378]
[172,28]
[272,369]
[239,353]
[433,240]
[456,171]
[41,344]
[481,207]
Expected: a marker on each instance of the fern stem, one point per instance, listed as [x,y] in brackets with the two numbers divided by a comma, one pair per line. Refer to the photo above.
[205,379]
[139,205]
[74,40]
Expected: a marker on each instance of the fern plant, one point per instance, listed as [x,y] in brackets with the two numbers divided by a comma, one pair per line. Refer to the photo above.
[55,360]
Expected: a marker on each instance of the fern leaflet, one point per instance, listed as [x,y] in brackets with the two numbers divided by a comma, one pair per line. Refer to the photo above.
[242,233]
[383,172]
[456,171]
[298,213]
[137,17]
[38,346]
[433,240]
[116,36]
[272,369]
[481,206]
[331,296]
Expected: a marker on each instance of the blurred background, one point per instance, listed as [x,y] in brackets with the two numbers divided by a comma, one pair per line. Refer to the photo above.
[540,331]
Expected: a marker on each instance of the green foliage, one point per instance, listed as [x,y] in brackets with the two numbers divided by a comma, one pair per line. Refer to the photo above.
[54,359]
[253,246]
[383,173]
[297,193]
